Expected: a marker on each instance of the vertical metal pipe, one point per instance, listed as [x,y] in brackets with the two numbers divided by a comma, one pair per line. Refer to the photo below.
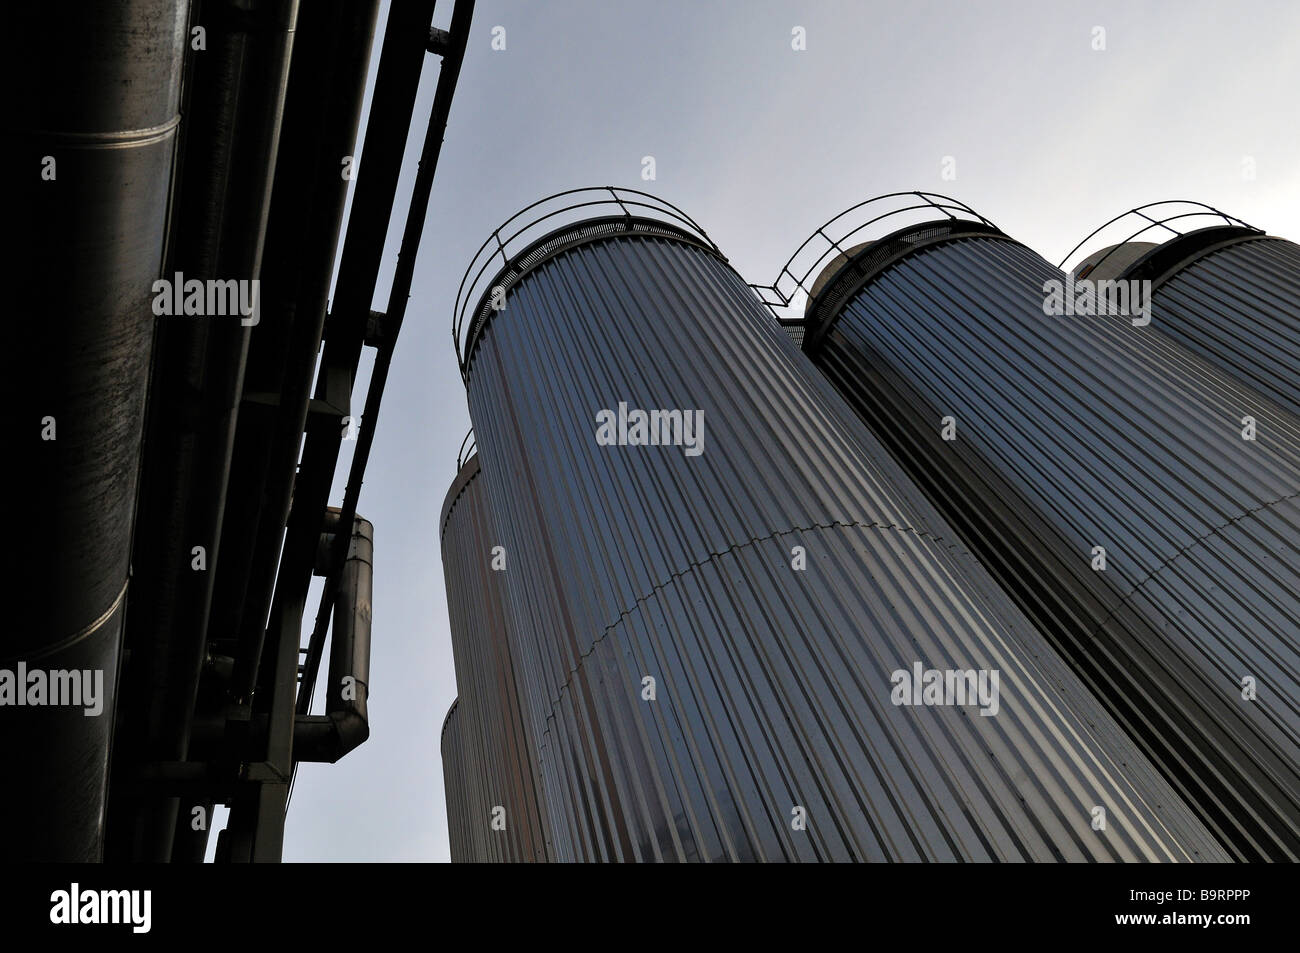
[345,724]
[343,352]
[229,149]
[323,109]
[255,833]
[349,671]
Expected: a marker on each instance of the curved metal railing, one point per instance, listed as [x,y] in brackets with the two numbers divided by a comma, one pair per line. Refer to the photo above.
[1183,209]
[787,296]
[468,447]
[548,214]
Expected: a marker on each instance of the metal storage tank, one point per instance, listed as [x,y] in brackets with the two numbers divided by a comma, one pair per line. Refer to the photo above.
[490,741]
[95,149]
[461,788]
[1222,289]
[1080,432]
[718,622]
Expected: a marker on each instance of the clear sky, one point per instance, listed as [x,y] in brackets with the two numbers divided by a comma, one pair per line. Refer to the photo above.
[761,143]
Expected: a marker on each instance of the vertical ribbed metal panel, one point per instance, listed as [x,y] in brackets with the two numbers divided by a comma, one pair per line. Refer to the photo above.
[772,686]
[1239,308]
[1075,432]
[489,747]
[461,789]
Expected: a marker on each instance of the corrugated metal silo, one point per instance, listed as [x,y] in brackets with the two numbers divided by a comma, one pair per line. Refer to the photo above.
[718,616]
[461,788]
[467,831]
[1225,290]
[496,810]
[1075,432]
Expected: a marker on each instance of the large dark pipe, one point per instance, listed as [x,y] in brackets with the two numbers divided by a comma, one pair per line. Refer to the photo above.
[342,351]
[327,86]
[268,669]
[322,110]
[346,722]
[96,151]
[236,100]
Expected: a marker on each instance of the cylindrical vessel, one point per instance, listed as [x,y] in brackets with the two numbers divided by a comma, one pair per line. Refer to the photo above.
[1100,472]
[1227,292]
[460,787]
[95,154]
[728,598]
[495,809]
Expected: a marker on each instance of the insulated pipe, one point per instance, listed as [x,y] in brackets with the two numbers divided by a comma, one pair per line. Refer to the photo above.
[323,105]
[96,151]
[1100,472]
[229,147]
[322,112]
[343,351]
[346,723]
[728,621]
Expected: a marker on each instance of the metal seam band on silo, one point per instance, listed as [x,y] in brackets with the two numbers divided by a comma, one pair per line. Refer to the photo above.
[693,690]
[492,753]
[1228,292]
[1080,432]
[94,161]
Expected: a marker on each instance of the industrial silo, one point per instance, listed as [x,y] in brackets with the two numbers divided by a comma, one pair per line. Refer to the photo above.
[1218,286]
[93,158]
[731,590]
[1105,477]
[461,788]
[488,760]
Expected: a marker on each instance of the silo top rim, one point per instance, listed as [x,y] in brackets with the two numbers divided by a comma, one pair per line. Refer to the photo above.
[1117,258]
[852,270]
[446,719]
[468,470]
[1156,222]
[547,226]
[840,237]
[1157,263]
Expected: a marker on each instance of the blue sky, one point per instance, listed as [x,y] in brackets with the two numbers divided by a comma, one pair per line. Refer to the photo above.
[761,143]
